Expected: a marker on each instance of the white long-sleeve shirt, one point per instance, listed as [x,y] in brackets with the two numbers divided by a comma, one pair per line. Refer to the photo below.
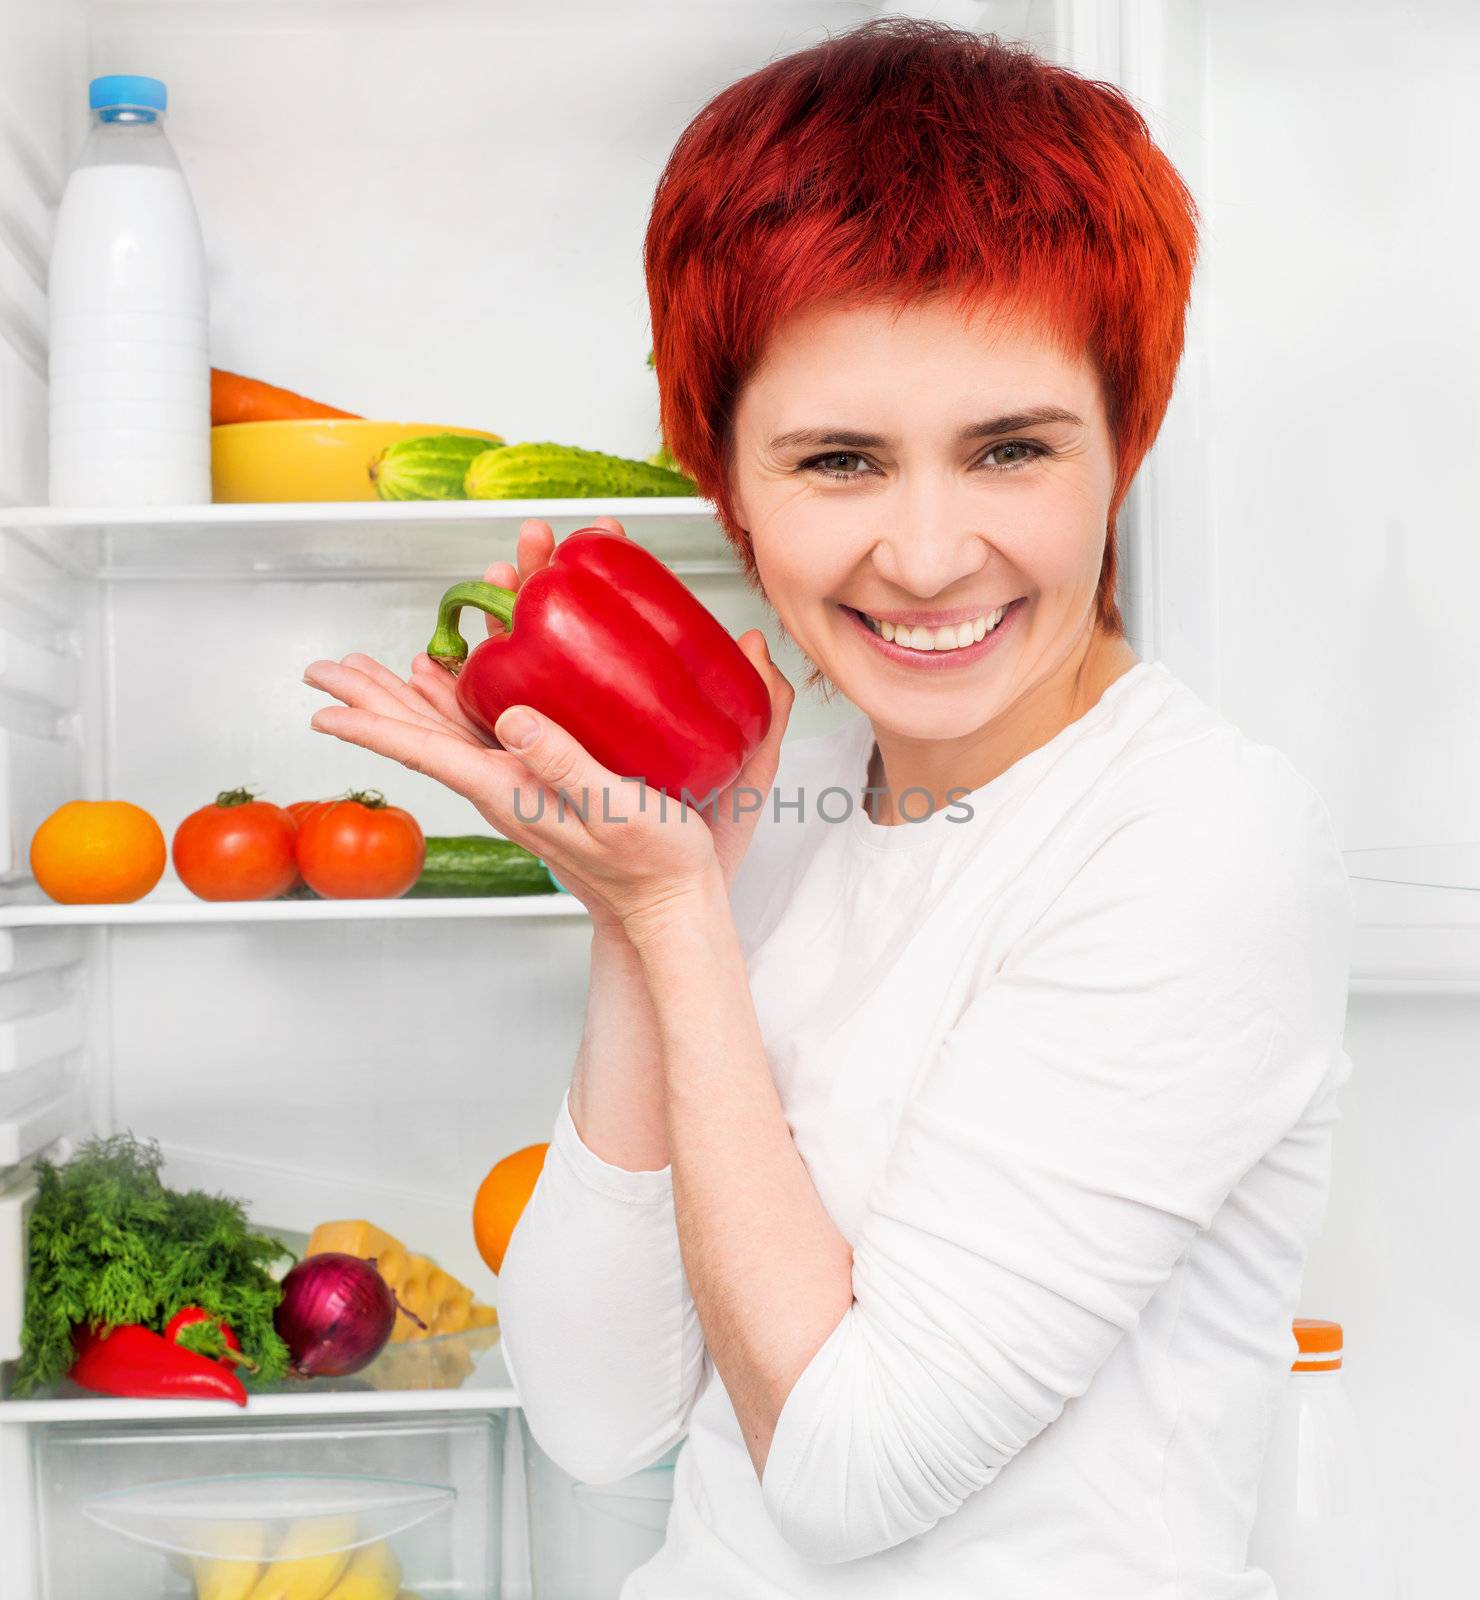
[1063,1074]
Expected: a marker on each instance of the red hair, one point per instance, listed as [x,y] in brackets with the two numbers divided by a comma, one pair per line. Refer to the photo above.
[900,159]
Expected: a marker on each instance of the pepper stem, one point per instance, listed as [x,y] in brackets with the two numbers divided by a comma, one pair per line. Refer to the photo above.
[448,645]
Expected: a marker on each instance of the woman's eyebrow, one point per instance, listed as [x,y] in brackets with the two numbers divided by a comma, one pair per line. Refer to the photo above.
[1011,422]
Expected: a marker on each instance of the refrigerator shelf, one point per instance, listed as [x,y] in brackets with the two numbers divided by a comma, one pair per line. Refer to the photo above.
[170,905]
[85,1407]
[348,540]
[421,1369]
[1417,919]
[1420,866]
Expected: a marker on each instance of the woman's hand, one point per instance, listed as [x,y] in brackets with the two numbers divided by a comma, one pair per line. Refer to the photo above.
[632,850]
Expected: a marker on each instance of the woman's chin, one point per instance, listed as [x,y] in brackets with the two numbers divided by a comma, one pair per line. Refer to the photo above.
[922,695]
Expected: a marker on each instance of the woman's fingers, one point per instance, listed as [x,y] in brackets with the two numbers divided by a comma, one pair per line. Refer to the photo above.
[535,547]
[406,694]
[502,576]
[534,550]
[553,757]
[485,777]
[438,687]
[357,690]
[760,770]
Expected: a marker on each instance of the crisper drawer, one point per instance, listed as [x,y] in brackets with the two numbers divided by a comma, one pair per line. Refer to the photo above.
[271,1510]
[586,1539]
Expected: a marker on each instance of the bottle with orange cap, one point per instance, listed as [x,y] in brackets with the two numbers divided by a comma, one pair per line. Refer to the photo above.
[1319,1528]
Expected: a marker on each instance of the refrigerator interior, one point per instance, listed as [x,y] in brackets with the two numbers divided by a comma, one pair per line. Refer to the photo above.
[433,211]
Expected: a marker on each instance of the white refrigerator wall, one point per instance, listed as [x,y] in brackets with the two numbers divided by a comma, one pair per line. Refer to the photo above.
[434,211]
[1342,482]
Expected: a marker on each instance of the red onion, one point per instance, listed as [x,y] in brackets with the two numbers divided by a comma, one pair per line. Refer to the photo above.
[336,1315]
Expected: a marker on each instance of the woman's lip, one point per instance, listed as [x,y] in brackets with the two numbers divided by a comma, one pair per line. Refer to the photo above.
[936,660]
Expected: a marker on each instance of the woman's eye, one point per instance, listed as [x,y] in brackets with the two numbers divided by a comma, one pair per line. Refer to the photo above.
[1019,453]
[823,464]
[1031,452]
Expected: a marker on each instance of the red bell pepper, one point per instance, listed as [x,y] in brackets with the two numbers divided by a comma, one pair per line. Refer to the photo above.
[135,1361]
[607,642]
[230,1346]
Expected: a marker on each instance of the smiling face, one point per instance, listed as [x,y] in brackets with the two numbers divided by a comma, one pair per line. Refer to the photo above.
[927,495]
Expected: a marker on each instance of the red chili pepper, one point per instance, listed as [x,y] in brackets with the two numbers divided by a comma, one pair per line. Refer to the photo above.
[612,646]
[192,1316]
[134,1361]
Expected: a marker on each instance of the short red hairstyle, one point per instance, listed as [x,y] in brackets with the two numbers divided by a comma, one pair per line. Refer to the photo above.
[900,159]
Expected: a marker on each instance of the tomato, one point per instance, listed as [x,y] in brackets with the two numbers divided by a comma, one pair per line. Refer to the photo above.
[236,849]
[359,848]
[298,810]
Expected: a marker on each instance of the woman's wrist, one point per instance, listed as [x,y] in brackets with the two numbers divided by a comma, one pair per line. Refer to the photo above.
[616,1092]
[675,914]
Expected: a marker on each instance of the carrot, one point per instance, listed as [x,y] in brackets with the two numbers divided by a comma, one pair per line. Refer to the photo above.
[238,399]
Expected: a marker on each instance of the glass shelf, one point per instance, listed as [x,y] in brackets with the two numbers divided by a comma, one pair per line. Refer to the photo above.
[172,904]
[1421,866]
[349,540]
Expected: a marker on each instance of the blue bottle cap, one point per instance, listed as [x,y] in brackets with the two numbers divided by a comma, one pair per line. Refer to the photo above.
[126,89]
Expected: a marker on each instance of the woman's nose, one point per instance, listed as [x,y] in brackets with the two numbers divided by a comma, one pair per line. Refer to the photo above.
[929,544]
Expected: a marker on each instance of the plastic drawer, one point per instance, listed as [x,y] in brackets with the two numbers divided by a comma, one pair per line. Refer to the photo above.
[584,1539]
[163,1511]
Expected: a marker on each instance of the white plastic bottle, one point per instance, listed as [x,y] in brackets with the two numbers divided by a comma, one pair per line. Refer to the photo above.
[1319,1530]
[130,353]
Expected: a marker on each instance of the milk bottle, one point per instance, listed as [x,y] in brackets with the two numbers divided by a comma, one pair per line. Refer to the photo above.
[1319,1532]
[130,363]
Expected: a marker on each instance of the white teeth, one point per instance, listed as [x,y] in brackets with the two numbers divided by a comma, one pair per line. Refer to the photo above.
[944,638]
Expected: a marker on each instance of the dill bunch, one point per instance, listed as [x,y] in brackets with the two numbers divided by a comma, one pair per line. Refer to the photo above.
[109,1244]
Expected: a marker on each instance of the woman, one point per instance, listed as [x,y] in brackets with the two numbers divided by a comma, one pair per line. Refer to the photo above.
[945,1183]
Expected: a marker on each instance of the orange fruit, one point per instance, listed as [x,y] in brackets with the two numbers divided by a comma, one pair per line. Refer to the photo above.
[501,1197]
[97,852]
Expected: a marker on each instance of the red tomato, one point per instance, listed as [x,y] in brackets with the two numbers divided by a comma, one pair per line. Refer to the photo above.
[298,810]
[301,808]
[236,849]
[359,848]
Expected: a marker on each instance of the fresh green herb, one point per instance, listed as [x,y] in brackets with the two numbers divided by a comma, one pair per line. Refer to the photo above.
[109,1244]
[205,1338]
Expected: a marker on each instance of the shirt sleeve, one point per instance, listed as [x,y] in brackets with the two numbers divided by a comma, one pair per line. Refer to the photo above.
[599,1329]
[1160,1027]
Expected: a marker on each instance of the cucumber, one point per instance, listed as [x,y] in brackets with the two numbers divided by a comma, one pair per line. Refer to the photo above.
[429,467]
[544,471]
[478,864]
[663,457]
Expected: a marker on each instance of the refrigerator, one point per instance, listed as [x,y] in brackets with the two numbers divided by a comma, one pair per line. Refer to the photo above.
[432,210]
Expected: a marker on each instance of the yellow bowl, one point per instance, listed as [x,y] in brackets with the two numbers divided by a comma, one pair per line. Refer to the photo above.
[321,458]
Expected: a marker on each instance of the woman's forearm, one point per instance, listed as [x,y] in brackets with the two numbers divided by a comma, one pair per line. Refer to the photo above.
[770,1274]
[600,1333]
[617,1098]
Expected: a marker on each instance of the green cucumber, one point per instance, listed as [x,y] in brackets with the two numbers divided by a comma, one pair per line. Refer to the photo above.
[544,471]
[478,864]
[432,466]
[663,457]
